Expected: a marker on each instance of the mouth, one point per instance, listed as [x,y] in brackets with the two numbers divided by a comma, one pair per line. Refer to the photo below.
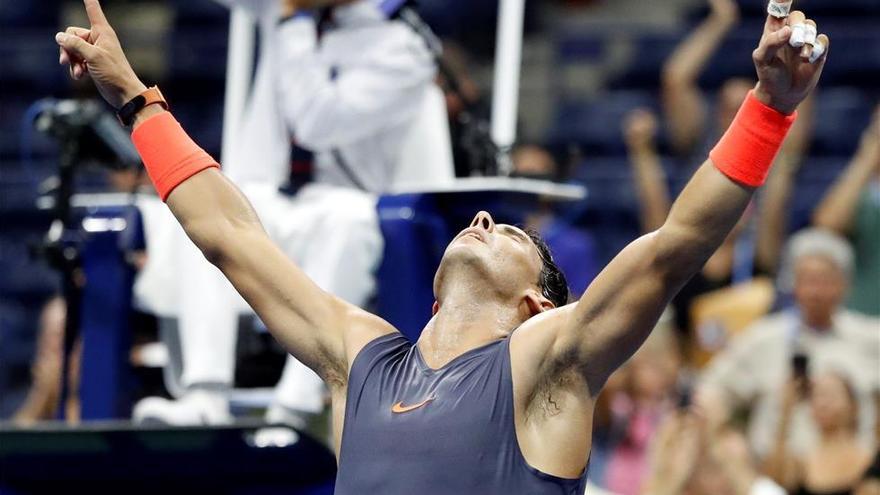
[472,232]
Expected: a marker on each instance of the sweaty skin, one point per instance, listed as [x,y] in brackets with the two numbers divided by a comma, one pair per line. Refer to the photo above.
[486,285]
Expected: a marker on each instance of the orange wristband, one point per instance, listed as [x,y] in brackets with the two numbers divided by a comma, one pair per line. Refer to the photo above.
[169,155]
[747,150]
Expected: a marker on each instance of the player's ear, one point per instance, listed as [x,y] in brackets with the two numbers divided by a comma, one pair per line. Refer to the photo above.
[435,308]
[535,303]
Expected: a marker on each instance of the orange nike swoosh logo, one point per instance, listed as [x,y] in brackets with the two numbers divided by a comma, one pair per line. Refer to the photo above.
[400,408]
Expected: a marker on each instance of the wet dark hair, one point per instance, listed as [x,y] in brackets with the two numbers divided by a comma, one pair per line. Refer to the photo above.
[551,280]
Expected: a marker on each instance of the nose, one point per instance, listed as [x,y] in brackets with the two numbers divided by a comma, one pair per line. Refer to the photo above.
[484,220]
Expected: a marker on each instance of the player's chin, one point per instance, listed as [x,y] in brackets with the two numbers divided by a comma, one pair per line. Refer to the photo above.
[465,251]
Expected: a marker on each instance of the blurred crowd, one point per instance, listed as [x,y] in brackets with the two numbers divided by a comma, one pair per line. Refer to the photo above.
[763,376]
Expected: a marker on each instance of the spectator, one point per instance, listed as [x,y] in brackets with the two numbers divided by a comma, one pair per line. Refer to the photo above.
[689,458]
[684,107]
[852,208]
[636,408]
[44,395]
[573,249]
[836,464]
[760,360]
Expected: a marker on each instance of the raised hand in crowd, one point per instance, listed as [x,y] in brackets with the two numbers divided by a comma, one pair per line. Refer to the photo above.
[684,108]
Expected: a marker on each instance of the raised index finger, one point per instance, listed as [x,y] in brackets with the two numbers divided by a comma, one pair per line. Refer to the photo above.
[96,15]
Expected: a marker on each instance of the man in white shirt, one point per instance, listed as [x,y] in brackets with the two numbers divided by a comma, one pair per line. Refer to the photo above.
[353,94]
[754,368]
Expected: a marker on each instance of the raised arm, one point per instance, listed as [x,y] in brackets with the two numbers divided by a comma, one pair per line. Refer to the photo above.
[316,327]
[780,465]
[648,175]
[622,305]
[837,209]
[683,104]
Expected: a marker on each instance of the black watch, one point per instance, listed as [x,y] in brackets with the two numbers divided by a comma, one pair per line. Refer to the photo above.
[128,111]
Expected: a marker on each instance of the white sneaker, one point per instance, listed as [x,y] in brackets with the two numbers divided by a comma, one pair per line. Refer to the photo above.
[197,407]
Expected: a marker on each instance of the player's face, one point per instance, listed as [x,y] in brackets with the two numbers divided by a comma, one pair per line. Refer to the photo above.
[502,254]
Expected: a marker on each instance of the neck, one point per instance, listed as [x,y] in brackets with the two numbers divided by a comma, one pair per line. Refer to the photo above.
[464,323]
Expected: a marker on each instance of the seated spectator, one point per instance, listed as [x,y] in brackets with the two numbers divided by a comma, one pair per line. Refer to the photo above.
[836,463]
[573,249]
[759,361]
[690,458]
[852,208]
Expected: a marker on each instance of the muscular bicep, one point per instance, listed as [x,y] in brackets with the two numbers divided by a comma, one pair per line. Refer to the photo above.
[616,313]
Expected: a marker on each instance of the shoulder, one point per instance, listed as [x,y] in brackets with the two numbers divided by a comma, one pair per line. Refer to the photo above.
[849,320]
[537,353]
[363,328]
[859,331]
[536,336]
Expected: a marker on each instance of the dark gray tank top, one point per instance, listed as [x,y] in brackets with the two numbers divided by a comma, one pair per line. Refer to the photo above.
[410,429]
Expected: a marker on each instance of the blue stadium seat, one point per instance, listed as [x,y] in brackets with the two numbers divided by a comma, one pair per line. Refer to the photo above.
[650,52]
[856,48]
[842,114]
[199,13]
[596,125]
[28,14]
[199,55]
[28,60]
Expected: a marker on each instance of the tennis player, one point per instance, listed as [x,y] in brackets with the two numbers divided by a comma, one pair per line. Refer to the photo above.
[497,395]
